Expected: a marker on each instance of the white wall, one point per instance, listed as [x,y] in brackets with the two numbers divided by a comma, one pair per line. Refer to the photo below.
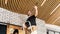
[7,16]
[53,29]
[51,32]
[17,19]
[41,26]
[56,32]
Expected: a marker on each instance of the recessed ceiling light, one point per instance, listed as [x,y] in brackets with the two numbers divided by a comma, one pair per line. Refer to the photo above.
[43,2]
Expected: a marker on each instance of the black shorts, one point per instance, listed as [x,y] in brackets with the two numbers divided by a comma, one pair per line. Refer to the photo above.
[28,25]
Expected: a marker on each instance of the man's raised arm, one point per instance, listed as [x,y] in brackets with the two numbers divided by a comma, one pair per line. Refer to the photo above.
[36,11]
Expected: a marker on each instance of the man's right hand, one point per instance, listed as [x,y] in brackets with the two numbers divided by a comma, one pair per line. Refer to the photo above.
[35,7]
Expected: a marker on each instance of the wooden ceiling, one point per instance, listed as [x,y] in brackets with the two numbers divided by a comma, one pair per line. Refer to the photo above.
[22,6]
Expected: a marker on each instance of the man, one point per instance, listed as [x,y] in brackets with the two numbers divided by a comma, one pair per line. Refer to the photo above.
[31,21]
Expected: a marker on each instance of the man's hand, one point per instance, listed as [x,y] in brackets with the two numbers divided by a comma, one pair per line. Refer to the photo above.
[35,7]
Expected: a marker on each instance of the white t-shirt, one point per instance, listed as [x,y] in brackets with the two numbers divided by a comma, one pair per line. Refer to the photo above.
[34,32]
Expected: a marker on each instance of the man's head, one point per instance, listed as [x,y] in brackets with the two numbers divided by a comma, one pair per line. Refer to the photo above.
[15,31]
[29,13]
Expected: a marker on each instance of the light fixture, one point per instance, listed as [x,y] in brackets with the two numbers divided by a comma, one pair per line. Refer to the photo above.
[43,2]
[6,1]
[54,9]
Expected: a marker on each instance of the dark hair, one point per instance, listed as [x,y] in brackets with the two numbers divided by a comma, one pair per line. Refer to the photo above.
[27,24]
[15,31]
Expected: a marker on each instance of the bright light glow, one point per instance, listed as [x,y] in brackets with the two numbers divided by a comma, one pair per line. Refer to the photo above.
[43,2]
[54,9]
[6,1]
